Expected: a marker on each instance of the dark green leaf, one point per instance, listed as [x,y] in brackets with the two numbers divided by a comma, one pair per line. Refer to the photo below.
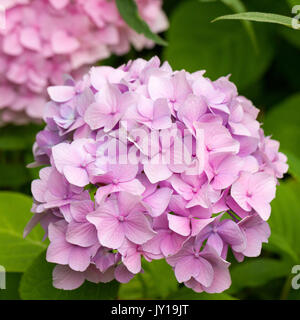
[129,12]
[257,272]
[17,137]
[12,285]
[36,284]
[13,175]
[221,48]
[282,122]
[294,164]
[157,282]
[285,220]
[188,294]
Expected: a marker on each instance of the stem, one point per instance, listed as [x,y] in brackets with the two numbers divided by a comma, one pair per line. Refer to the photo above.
[233,216]
[144,286]
[286,288]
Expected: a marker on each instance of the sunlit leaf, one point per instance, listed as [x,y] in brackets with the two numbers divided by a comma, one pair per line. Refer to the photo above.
[258,17]
[16,253]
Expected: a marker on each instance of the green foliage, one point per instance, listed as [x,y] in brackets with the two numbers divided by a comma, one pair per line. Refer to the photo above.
[285,221]
[158,281]
[17,253]
[257,272]
[36,284]
[129,12]
[17,137]
[13,175]
[220,48]
[282,122]
[259,17]
[294,164]
[12,285]
[188,294]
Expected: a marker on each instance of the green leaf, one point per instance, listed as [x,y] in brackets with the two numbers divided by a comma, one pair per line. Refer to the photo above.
[12,285]
[285,220]
[129,12]
[17,253]
[258,17]
[238,7]
[220,49]
[157,282]
[293,3]
[185,293]
[282,122]
[17,137]
[257,272]
[291,35]
[13,175]
[294,164]
[36,284]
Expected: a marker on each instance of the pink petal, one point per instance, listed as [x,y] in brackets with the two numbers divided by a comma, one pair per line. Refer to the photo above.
[76,176]
[159,87]
[205,272]
[81,234]
[159,200]
[79,258]
[62,43]
[137,228]
[30,39]
[122,274]
[180,225]
[186,268]
[61,93]
[110,230]
[59,4]
[66,278]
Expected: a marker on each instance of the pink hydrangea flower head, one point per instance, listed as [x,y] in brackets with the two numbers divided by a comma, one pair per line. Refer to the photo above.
[46,39]
[145,162]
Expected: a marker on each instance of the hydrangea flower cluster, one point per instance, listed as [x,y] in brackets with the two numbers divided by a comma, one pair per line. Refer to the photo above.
[45,39]
[143,162]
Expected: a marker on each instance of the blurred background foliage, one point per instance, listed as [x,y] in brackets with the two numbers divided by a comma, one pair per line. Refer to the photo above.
[263,60]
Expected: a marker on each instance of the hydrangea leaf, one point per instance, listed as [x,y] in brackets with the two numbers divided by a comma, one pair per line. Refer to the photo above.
[13,175]
[238,6]
[257,272]
[129,12]
[12,285]
[259,17]
[36,284]
[294,164]
[285,220]
[16,253]
[157,282]
[219,48]
[291,35]
[293,3]
[188,294]
[17,137]
[282,122]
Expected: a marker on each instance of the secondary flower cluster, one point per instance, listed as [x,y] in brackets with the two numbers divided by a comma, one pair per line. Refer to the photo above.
[45,39]
[146,162]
